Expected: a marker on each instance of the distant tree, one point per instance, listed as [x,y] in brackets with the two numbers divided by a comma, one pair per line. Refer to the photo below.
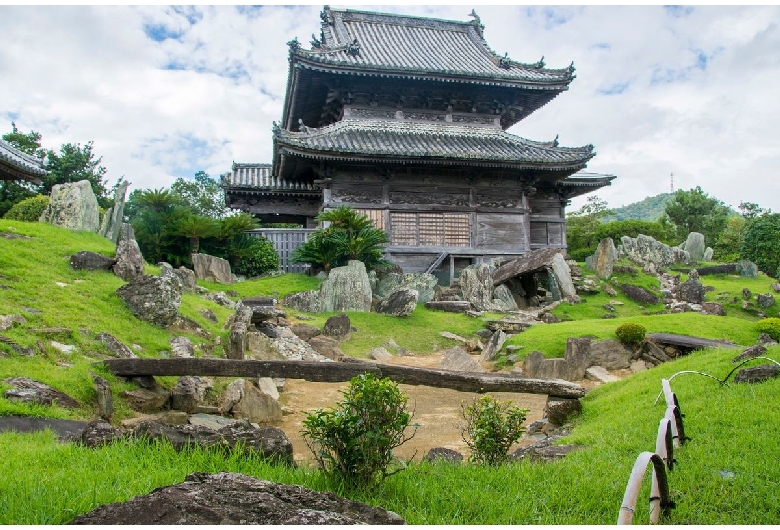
[729,245]
[29,143]
[203,194]
[695,211]
[72,164]
[581,226]
[760,243]
[751,210]
[154,215]
[195,228]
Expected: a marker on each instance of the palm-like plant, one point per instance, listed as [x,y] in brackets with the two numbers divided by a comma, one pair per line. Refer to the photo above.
[195,227]
[350,236]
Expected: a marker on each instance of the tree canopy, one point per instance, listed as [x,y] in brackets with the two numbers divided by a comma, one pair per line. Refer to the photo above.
[695,211]
[581,226]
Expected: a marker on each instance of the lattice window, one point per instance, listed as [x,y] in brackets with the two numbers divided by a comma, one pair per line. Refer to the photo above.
[430,229]
[377,216]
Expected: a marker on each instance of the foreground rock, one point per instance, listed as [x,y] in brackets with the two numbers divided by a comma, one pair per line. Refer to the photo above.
[129,260]
[346,289]
[31,391]
[231,498]
[645,250]
[73,205]
[91,261]
[400,303]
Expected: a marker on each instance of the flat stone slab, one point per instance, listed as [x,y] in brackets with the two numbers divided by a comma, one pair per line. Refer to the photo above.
[65,429]
[696,343]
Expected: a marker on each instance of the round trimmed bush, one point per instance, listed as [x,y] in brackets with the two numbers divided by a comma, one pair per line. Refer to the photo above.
[29,209]
[770,326]
[630,333]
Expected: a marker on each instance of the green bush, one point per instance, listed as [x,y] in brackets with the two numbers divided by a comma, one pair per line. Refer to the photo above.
[491,428]
[354,442]
[770,326]
[261,257]
[630,333]
[29,210]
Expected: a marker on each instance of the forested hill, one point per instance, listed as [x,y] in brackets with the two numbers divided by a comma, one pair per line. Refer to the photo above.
[649,209]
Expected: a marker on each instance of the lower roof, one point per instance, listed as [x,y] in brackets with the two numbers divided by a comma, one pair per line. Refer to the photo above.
[384,140]
[17,165]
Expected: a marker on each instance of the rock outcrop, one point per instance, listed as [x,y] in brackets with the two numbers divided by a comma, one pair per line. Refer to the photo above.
[154,299]
[211,268]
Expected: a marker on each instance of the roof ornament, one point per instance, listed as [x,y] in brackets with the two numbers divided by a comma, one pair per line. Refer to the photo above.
[294,45]
[505,61]
[276,129]
[353,48]
[325,15]
[540,63]
[571,68]
[555,141]
[315,42]
[302,126]
[477,22]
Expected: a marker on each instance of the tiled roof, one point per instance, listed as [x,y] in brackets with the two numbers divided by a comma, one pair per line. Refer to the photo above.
[380,139]
[258,176]
[366,42]
[17,165]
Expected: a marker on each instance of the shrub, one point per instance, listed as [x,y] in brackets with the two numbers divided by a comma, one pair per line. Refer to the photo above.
[260,258]
[630,333]
[354,442]
[491,428]
[29,209]
[770,326]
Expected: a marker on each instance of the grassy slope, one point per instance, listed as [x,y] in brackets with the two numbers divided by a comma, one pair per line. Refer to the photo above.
[42,481]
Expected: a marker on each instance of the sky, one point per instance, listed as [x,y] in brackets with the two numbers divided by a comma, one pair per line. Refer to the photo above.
[166,91]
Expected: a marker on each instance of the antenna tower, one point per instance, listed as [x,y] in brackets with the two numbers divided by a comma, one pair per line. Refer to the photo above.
[671,183]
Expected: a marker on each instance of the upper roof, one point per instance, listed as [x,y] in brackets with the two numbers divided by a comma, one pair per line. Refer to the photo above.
[430,143]
[18,165]
[416,46]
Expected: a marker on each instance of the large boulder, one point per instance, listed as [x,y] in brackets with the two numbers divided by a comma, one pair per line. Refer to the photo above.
[153,299]
[476,284]
[91,261]
[327,347]
[73,205]
[747,269]
[638,294]
[231,498]
[211,268]
[306,301]
[691,290]
[129,260]
[424,283]
[645,250]
[338,326]
[400,303]
[244,400]
[346,289]
[694,246]
[503,299]
[604,259]
[189,392]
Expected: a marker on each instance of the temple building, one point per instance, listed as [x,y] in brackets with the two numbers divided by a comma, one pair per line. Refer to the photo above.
[404,119]
[18,165]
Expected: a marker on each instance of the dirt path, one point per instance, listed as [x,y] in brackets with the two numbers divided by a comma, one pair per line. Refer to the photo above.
[436,410]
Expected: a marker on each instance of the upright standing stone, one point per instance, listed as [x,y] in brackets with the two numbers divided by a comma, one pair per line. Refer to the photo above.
[346,289]
[118,212]
[73,205]
[129,260]
[604,259]
[695,247]
[476,284]
[562,274]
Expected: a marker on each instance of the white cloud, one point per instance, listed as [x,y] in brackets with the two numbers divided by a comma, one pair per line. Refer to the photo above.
[689,91]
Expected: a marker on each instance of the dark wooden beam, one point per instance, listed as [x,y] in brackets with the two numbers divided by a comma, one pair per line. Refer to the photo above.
[344,371]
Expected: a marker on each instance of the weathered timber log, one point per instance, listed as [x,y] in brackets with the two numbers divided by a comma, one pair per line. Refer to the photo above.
[336,372]
[533,261]
[726,268]
[684,341]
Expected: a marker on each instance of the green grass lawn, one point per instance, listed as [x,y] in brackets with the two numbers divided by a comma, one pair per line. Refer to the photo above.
[732,427]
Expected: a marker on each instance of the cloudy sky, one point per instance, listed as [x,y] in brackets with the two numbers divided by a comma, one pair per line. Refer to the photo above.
[166,91]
